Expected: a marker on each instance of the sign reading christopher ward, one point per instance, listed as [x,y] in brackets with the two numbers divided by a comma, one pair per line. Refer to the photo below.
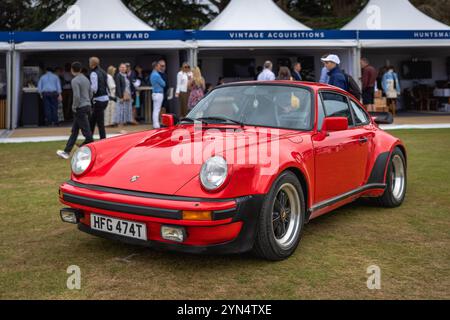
[99,36]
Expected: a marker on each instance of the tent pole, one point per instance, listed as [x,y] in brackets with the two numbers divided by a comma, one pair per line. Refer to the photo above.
[357,65]
[9,71]
[15,87]
[193,56]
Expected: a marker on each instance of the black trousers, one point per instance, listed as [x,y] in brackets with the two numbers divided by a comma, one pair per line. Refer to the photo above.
[98,118]
[80,122]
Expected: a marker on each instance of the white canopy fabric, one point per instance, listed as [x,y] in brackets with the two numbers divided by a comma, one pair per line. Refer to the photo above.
[398,15]
[253,15]
[261,15]
[393,15]
[5,46]
[99,15]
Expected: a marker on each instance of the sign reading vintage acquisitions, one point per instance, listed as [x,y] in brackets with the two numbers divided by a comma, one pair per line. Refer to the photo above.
[248,35]
[275,35]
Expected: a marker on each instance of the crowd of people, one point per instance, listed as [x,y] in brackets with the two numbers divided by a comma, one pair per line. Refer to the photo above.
[95,98]
[385,81]
[99,99]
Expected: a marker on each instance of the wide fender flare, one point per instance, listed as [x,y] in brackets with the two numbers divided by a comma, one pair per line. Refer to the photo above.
[301,171]
[379,171]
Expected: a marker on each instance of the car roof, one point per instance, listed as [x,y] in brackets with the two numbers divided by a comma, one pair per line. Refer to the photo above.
[314,85]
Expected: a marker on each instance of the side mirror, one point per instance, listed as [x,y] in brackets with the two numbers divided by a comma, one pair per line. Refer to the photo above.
[335,124]
[382,117]
[169,120]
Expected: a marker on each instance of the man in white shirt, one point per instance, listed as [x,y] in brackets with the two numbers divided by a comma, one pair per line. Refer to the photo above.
[267,74]
[182,92]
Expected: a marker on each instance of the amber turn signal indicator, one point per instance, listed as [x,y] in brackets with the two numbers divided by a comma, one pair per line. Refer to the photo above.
[197,215]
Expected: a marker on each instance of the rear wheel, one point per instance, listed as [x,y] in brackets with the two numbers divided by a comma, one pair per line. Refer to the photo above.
[396,181]
[282,219]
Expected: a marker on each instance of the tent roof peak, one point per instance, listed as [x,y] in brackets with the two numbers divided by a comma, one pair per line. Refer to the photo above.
[393,15]
[98,15]
[254,15]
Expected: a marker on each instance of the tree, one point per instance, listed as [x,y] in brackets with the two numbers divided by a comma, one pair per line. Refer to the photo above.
[171,14]
[192,14]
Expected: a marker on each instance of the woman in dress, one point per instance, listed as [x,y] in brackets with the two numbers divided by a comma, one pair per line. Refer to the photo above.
[110,111]
[197,88]
[124,110]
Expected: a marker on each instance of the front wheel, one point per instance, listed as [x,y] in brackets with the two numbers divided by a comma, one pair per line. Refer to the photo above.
[396,181]
[281,220]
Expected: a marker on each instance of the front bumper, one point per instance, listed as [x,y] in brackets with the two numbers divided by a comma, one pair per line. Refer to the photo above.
[232,229]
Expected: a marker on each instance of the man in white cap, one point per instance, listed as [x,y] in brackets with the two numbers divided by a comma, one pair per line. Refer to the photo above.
[337,77]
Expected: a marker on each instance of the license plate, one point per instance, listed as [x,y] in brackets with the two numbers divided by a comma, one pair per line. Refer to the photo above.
[120,227]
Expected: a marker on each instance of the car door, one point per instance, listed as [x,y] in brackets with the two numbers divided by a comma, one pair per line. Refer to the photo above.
[366,133]
[340,157]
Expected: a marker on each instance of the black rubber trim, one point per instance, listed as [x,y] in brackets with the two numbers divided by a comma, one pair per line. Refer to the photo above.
[379,168]
[242,204]
[143,194]
[346,195]
[223,214]
[248,212]
[122,207]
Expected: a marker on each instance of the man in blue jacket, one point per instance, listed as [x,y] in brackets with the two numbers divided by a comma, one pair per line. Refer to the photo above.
[337,77]
[158,86]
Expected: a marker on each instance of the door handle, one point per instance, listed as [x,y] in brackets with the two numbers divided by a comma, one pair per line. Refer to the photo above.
[363,140]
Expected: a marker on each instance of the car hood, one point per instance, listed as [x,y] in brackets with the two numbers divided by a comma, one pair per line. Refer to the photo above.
[163,161]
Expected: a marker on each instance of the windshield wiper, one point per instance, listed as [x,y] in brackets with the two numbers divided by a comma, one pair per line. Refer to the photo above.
[221,120]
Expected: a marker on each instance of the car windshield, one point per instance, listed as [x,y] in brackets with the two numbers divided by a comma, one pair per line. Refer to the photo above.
[274,106]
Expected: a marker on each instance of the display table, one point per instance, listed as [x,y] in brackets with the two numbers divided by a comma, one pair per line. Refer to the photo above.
[146,98]
[31,114]
[442,93]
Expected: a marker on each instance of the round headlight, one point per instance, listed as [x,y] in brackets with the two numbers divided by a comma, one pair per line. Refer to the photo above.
[81,160]
[214,173]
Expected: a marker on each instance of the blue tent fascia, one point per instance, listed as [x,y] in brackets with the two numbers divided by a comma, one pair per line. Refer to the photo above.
[194,35]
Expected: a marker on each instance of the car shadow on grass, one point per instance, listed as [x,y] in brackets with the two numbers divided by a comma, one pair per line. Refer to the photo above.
[127,254]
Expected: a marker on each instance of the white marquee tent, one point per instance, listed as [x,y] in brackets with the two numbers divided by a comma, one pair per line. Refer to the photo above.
[264,15]
[402,16]
[87,16]
[397,15]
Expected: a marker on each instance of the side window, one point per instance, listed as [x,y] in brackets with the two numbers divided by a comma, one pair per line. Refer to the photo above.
[336,105]
[360,115]
[320,114]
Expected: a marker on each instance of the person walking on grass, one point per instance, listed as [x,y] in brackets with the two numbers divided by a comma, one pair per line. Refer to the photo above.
[158,85]
[81,107]
[99,86]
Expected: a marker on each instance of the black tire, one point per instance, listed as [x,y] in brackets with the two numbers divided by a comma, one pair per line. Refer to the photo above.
[390,198]
[267,246]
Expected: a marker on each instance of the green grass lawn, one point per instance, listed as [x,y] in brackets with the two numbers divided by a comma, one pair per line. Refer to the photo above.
[410,244]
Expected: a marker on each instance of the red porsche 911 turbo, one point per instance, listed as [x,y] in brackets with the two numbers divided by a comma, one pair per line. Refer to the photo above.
[249,166]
